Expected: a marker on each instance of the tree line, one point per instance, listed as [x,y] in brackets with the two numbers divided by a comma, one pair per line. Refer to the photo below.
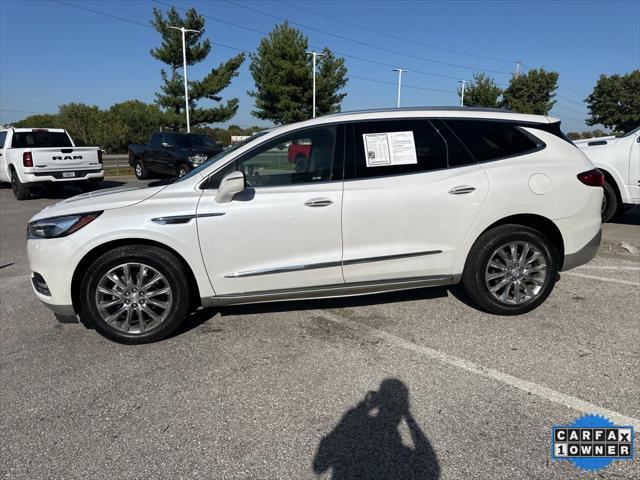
[283,77]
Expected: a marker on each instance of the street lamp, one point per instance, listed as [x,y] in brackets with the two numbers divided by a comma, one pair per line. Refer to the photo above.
[400,72]
[314,54]
[463,83]
[184,60]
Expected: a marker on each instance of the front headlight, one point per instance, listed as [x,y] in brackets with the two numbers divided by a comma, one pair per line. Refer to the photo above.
[60,226]
[197,159]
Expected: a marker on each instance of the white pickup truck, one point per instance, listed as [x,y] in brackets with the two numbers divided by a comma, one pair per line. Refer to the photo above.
[619,159]
[31,157]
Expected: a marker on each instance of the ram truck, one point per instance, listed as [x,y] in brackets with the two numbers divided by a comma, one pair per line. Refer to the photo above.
[171,153]
[618,158]
[33,157]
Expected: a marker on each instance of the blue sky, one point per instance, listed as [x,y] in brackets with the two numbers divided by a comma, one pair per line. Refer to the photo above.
[52,53]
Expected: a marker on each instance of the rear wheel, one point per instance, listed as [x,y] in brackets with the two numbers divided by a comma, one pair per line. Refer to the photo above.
[135,294]
[511,269]
[20,190]
[140,170]
[610,204]
[301,163]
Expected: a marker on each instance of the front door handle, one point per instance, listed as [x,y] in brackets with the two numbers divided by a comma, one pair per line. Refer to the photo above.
[462,189]
[318,202]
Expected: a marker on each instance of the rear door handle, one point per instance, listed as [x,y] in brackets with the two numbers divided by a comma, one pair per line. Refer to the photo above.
[318,202]
[462,189]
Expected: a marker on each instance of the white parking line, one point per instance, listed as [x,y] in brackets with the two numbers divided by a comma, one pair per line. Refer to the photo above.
[524,385]
[604,279]
[609,267]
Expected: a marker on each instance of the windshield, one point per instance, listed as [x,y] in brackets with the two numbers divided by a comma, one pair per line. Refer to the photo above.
[220,156]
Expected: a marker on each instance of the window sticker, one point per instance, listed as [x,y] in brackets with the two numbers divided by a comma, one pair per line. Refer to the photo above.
[390,148]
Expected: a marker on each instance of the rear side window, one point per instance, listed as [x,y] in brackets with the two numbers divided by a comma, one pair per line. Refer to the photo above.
[3,137]
[491,140]
[394,147]
[40,138]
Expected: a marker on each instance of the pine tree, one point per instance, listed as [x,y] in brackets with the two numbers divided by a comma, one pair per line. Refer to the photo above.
[282,72]
[482,91]
[171,97]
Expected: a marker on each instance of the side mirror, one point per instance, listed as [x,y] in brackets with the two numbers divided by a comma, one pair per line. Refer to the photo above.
[229,186]
[167,145]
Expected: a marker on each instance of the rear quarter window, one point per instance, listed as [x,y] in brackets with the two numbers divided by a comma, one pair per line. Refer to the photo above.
[492,140]
[3,137]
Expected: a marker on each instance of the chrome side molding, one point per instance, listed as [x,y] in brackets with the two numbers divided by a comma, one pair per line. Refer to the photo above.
[179,219]
[336,263]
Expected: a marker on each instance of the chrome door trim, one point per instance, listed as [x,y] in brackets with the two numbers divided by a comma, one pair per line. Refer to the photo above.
[179,219]
[337,263]
[335,290]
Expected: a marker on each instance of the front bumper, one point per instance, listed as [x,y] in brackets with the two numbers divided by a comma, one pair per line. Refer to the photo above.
[584,255]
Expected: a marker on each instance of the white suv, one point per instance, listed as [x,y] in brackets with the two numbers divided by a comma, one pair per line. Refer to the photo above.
[387,200]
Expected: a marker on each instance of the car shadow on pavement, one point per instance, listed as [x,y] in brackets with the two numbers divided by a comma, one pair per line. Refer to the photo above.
[367,442]
[630,216]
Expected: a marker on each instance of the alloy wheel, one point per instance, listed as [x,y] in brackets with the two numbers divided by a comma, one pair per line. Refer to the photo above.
[134,298]
[516,272]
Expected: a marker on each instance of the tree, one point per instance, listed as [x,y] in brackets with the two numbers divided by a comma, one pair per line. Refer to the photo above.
[482,91]
[82,121]
[532,92]
[44,120]
[615,102]
[171,97]
[140,120]
[283,77]
[574,136]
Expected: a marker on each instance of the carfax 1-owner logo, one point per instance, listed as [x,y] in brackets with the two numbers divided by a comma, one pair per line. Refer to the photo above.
[592,442]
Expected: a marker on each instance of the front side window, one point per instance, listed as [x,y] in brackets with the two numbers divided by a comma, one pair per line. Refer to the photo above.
[394,147]
[156,140]
[307,156]
[491,140]
[3,136]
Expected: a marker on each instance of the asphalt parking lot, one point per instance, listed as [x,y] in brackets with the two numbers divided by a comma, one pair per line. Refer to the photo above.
[281,390]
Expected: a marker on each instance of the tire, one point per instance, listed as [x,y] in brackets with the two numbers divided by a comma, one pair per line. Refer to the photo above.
[140,170]
[529,291]
[134,324]
[20,190]
[610,204]
[182,170]
[301,163]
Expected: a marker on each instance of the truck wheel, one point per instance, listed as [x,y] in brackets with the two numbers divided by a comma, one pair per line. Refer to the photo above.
[610,204]
[301,163]
[20,190]
[140,170]
[182,170]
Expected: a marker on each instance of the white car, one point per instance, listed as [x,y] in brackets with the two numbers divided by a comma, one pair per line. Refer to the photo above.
[618,158]
[388,200]
[31,157]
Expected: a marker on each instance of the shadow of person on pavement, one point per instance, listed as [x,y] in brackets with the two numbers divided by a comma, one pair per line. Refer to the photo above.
[368,445]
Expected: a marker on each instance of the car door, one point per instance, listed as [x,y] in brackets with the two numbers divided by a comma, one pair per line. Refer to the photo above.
[284,230]
[634,168]
[411,194]
[154,152]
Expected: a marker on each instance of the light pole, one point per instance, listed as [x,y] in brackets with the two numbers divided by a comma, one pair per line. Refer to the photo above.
[400,72]
[184,60]
[314,54]
[463,82]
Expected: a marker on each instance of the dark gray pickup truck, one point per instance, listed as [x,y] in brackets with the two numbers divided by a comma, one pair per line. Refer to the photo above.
[171,153]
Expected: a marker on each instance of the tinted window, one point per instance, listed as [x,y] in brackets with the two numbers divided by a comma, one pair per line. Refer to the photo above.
[306,156]
[430,148]
[490,140]
[457,153]
[192,140]
[40,138]
[155,140]
[3,136]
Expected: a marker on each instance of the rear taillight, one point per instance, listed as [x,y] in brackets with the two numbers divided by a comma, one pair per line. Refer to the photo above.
[593,178]
[27,159]
[100,157]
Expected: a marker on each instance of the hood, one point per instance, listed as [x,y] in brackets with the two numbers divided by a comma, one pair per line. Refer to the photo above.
[106,199]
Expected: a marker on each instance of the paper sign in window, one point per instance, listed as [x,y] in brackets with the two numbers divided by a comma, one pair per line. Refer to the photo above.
[390,148]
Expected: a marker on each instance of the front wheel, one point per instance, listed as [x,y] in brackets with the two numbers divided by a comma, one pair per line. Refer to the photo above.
[20,190]
[511,269]
[135,294]
[610,204]
[182,170]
